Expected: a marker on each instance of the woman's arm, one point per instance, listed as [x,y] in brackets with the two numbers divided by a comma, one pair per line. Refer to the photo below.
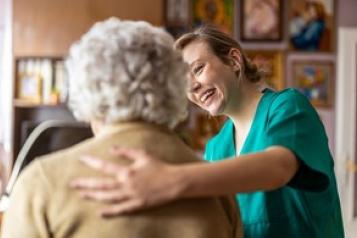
[267,170]
[148,182]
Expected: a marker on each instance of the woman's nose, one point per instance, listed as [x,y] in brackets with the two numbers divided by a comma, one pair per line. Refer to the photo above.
[194,86]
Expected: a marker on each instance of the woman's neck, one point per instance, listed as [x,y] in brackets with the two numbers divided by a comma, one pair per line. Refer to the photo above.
[246,104]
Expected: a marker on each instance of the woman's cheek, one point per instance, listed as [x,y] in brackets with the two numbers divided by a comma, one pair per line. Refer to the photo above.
[194,100]
[191,97]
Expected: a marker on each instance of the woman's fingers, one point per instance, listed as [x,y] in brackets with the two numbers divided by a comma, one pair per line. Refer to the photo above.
[104,195]
[127,188]
[127,206]
[113,168]
[131,154]
[95,183]
[101,165]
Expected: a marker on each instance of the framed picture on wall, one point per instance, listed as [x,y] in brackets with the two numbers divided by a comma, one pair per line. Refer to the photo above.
[271,63]
[29,80]
[311,25]
[261,20]
[314,77]
[30,88]
[177,17]
[214,12]
[177,13]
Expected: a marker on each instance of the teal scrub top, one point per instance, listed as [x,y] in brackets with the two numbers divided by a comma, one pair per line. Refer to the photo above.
[308,206]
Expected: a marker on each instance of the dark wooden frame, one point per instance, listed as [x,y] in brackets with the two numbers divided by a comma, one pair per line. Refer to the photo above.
[244,38]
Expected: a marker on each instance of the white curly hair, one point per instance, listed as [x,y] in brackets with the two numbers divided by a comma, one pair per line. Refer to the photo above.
[124,71]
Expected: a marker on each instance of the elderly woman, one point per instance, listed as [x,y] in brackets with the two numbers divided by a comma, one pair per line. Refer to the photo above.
[127,81]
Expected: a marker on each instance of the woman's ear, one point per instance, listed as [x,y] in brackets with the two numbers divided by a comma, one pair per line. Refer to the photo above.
[236,59]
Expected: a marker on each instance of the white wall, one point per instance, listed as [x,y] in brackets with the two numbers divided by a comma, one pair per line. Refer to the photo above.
[346,126]
[2,28]
[6,82]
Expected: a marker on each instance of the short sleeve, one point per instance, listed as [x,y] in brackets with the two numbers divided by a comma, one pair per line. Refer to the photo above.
[25,216]
[294,124]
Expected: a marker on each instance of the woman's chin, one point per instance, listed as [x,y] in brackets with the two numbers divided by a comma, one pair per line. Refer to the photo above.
[214,108]
[214,111]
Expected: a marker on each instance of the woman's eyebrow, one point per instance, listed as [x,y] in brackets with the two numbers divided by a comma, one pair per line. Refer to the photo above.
[193,63]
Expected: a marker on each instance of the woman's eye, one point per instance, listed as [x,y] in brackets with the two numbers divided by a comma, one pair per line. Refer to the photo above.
[197,69]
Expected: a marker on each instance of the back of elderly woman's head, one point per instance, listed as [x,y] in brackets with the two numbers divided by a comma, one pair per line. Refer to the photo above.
[127,71]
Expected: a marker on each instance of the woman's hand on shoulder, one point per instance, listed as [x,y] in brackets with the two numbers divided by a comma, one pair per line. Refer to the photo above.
[144,183]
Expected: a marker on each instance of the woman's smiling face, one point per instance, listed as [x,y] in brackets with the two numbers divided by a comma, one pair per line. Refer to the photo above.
[212,83]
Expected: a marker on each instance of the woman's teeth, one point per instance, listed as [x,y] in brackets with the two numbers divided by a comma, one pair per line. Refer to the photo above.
[206,95]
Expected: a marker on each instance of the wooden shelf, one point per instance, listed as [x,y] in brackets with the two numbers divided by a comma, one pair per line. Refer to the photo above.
[28,104]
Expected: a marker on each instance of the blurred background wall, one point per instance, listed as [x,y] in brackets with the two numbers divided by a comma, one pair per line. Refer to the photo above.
[49,27]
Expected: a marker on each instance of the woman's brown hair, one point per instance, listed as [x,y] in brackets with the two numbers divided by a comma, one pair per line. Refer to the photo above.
[221,44]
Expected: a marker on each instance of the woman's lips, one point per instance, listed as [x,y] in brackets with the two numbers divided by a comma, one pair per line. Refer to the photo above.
[207,95]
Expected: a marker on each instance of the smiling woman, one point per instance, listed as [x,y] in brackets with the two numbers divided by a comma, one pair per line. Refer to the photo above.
[285,187]
[214,58]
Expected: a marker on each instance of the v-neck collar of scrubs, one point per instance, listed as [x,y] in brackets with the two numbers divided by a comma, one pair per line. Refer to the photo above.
[252,126]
